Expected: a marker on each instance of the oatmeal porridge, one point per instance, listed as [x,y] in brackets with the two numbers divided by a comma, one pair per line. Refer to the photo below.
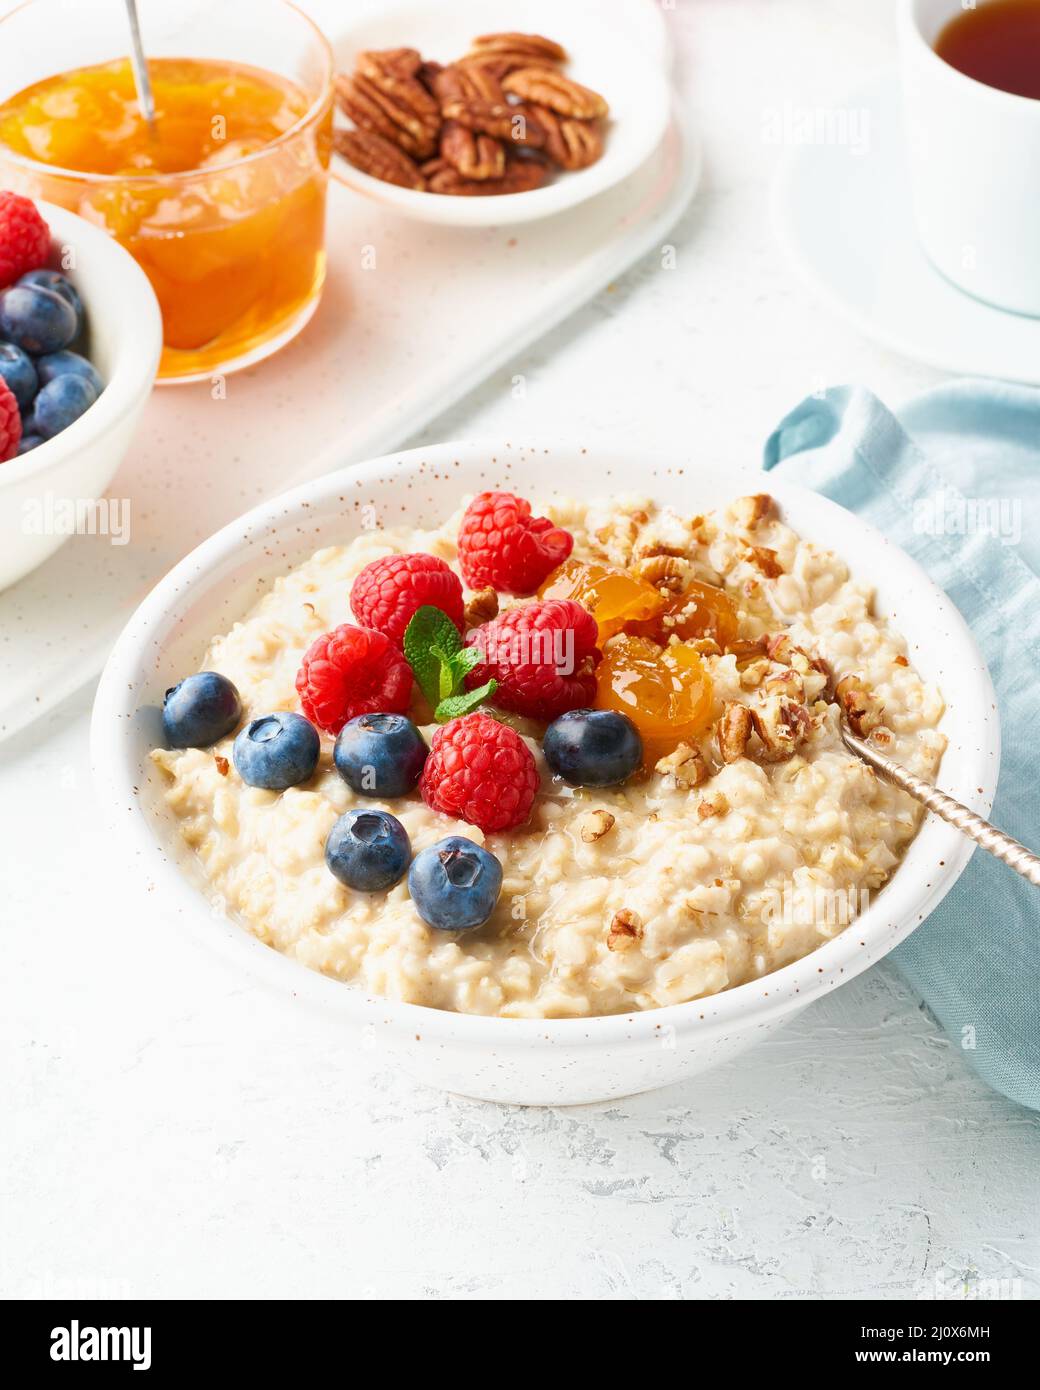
[738,836]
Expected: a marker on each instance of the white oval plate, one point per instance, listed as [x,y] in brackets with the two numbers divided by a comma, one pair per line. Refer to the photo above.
[608,57]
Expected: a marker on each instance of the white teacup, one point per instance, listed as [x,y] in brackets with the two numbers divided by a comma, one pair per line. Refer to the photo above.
[974,155]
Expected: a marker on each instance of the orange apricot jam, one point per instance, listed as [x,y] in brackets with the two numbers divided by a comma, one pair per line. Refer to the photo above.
[701,610]
[612,595]
[667,693]
[234,250]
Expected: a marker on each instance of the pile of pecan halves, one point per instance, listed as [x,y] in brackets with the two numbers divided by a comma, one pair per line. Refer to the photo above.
[495,121]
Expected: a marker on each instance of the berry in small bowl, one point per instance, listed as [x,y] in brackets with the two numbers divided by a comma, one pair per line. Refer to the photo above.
[368,850]
[593,747]
[200,710]
[277,751]
[455,884]
[380,755]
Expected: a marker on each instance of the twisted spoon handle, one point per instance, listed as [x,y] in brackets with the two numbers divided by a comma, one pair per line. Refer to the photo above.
[1022,860]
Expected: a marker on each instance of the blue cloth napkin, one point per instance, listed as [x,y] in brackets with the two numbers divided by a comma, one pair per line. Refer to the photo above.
[976,960]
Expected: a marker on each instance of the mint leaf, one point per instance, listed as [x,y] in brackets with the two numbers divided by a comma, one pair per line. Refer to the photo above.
[464,661]
[429,638]
[446,681]
[441,664]
[457,705]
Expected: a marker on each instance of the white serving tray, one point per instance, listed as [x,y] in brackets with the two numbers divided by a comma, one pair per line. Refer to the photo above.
[390,347]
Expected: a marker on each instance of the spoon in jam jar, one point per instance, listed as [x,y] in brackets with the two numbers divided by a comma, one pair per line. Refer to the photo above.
[142,81]
[1022,860]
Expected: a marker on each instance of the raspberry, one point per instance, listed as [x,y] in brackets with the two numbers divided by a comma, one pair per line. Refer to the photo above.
[480,771]
[542,654]
[25,238]
[502,545]
[351,671]
[10,423]
[388,591]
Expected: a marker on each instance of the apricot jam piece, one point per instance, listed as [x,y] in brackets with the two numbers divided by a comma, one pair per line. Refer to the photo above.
[612,595]
[667,693]
[701,610]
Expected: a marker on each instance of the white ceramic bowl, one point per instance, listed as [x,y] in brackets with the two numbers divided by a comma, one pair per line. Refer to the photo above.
[527,1062]
[124,343]
[624,62]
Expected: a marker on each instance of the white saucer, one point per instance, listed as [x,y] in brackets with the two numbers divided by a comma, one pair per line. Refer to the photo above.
[845,219]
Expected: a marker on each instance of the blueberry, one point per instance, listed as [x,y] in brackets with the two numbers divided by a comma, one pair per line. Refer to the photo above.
[368,850]
[277,751]
[199,710]
[17,370]
[455,884]
[60,284]
[65,363]
[29,442]
[59,403]
[593,747]
[380,754]
[36,319]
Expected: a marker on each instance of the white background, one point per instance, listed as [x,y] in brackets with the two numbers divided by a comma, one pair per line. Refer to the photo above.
[168,1130]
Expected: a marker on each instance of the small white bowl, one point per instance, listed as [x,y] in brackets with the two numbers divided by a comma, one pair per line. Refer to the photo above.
[631,77]
[560,1061]
[124,328]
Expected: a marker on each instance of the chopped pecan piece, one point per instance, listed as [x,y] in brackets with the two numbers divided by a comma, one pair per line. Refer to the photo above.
[733,731]
[374,155]
[475,156]
[749,511]
[536,47]
[902,661]
[823,667]
[595,825]
[409,119]
[544,86]
[663,571]
[570,144]
[765,559]
[685,764]
[482,607]
[747,650]
[751,677]
[223,766]
[861,706]
[715,806]
[781,726]
[626,930]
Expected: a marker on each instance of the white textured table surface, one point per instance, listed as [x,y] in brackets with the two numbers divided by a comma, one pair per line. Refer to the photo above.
[169,1131]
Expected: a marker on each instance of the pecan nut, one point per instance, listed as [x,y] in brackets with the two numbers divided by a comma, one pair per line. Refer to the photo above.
[733,731]
[521,176]
[568,143]
[626,930]
[482,607]
[381,158]
[781,726]
[543,86]
[535,48]
[474,97]
[402,111]
[685,764]
[749,511]
[862,708]
[475,156]
[595,825]
[765,560]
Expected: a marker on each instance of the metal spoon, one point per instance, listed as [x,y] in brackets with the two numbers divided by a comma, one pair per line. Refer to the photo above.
[142,81]
[1022,860]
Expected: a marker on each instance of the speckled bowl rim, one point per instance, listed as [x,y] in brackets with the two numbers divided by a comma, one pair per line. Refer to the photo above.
[131,681]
